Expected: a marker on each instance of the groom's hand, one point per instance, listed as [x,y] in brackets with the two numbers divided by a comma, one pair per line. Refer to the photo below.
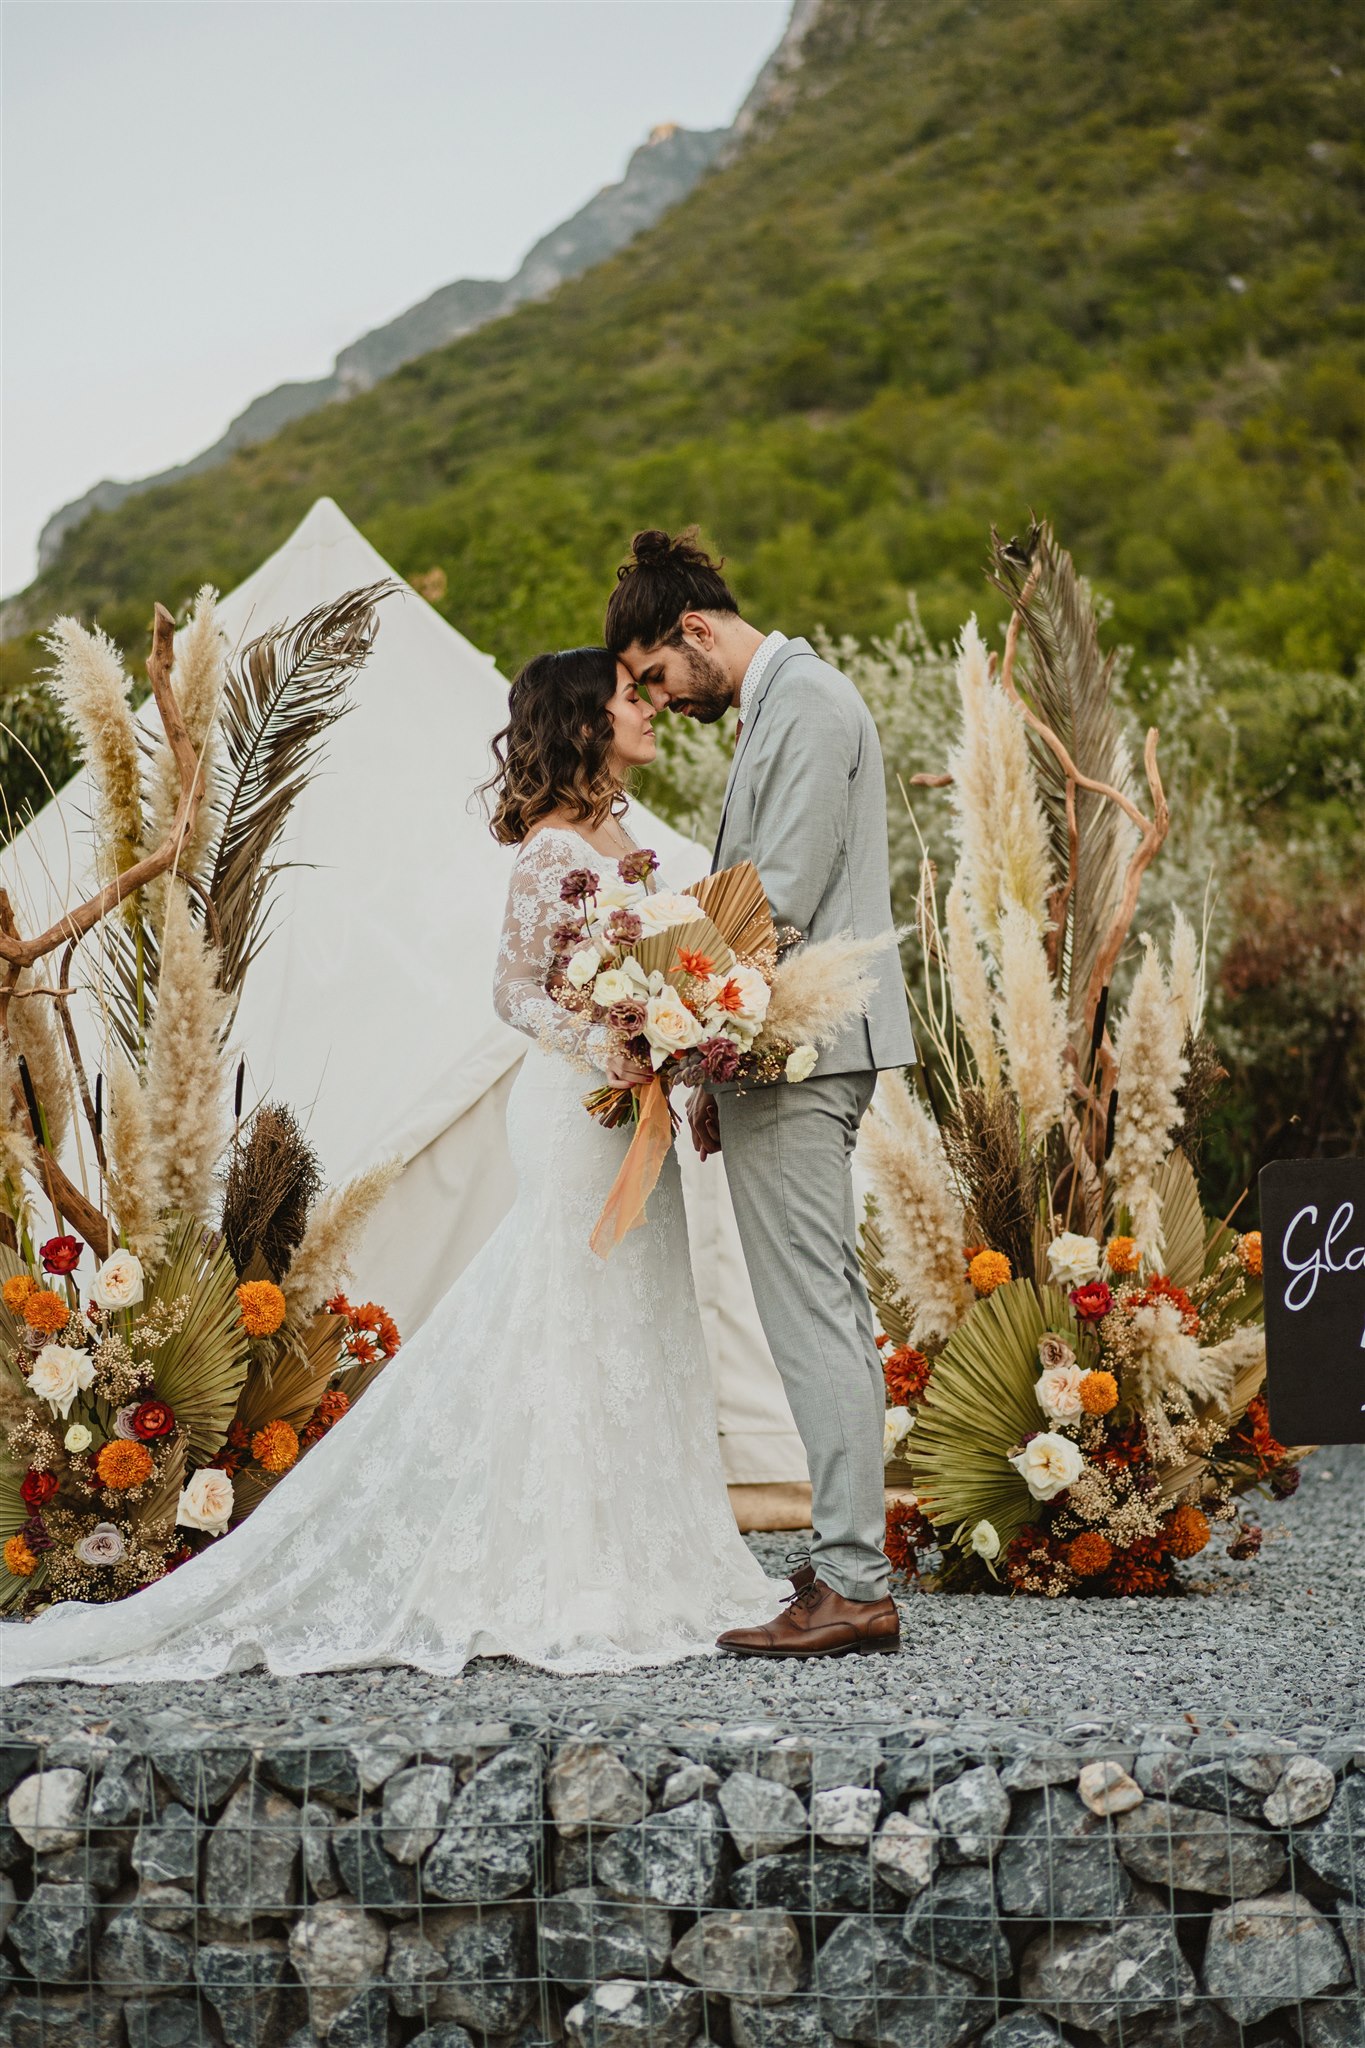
[704,1118]
[624,1073]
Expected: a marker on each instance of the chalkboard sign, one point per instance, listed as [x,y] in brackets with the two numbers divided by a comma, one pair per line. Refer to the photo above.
[1313,1251]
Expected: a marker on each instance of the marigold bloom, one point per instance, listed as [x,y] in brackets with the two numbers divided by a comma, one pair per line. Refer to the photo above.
[16,1292]
[1089,1554]
[1122,1255]
[1099,1392]
[989,1270]
[907,1374]
[19,1559]
[123,1462]
[45,1311]
[276,1446]
[1249,1253]
[263,1307]
[1187,1531]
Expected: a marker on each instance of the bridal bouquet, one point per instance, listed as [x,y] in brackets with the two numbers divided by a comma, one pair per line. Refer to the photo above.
[699,986]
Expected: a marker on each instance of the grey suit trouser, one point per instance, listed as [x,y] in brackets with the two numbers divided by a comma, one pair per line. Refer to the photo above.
[789,1155]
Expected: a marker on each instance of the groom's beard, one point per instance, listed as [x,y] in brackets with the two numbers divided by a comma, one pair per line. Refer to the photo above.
[709,689]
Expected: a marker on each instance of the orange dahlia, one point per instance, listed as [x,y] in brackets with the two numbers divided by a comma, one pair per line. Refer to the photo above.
[16,1292]
[907,1374]
[1186,1531]
[333,1405]
[370,1316]
[45,1311]
[1123,1255]
[123,1462]
[988,1271]
[1249,1253]
[276,1446]
[1099,1392]
[19,1559]
[1089,1554]
[262,1306]
[1159,1288]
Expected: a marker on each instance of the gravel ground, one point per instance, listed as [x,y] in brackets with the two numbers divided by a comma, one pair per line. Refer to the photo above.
[1275,1643]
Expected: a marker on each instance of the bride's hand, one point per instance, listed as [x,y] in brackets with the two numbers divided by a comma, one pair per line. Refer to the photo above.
[704,1118]
[624,1073]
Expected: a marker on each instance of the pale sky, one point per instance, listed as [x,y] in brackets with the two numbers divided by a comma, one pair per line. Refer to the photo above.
[205,198]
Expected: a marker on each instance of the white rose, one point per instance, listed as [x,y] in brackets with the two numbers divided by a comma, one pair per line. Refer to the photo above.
[118,1283]
[1073,1259]
[1059,1392]
[1048,1464]
[60,1372]
[619,895]
[670,1026]
[104,1545]
[985,1541]
[899,1422]
[206,1502]
[78,1438]
[664,911]
[614,985]
[801,1063]
[583,966]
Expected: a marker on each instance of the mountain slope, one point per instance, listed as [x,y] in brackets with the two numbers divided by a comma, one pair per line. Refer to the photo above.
[1102,259]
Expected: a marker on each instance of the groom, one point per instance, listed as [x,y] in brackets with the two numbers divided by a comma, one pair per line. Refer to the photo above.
[806,803]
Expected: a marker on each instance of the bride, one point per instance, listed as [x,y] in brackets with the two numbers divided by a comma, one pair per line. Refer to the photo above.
[536,1475]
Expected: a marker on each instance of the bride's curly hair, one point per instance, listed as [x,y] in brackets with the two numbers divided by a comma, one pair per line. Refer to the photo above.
[554,753]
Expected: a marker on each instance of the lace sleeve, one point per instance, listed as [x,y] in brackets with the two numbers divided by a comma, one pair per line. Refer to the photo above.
[534,908]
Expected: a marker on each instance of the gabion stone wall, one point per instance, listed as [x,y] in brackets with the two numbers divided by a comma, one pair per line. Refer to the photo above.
[607,1884]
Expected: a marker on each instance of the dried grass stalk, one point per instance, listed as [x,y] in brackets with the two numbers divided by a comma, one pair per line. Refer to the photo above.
[1032,1024]
[819,989]
[999,1180]
[1187,976]
[90,684]
[972,1002]
[320,1263]
[17,1155]
[35,1032]
[135,1192]
[272,1178]
[920,1217]
[186,1065]
[198,679]
[999,820]
[1151,1068]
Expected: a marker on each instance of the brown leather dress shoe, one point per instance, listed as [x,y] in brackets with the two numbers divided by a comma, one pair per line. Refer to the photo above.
[818,1622]
[803,1572]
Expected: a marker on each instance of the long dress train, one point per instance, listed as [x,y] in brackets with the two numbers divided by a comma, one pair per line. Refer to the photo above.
[535,1475]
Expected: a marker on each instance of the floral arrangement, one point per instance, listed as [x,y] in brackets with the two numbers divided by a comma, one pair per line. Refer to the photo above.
[1073,1351]
[700,987]
[174,1347]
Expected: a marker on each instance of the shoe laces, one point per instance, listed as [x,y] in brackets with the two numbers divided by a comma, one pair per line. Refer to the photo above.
[809,1596]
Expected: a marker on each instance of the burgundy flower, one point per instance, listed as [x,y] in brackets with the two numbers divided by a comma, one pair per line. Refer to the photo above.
[152,1419]
[580,882]
[623,928]
[61,1254]
[35,1534]
[1092,1302]
[1247,1542]
[1285,1482]
[566,938]
[637,866]
[37,1488]
[719,1058]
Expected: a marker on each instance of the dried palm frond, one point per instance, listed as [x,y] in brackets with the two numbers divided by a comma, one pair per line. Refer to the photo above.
[1069,683]
[1183,1229]
[156,1515]
[270,1182]
[921,1220]
[818,989]
[999,823]
[200,1368]
[734,901]
[1032,1025]
[338,1217]
[998,1178]
[186,1066]
[90,683]
[135,1193]
[283,692]
[658,952]
[893,1310]
[292,1386]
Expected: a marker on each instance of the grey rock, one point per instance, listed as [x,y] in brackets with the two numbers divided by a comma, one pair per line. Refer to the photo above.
[365,2021]
[328,1771]
[1202,2025]
[165,1905]
[956,1921]
[379,1757]
[1023,2029]
[414,1967]
[50,1933]
[100,1865]
[1207,1782]
[1262,1952]
[1043,1762]
[62,2019]
[14,1854]
[1334,2023]
[163,2023]
[793,2025]
[920,1766]
[415,1806]
[1305,1790]
[489,1955]
[1106,1788]
[1351,1920]
[9,1902]
[319,1864]
[47,1809]
[905,1853]
[445,2034]
[575,1862]
[813,1884]
[251,1863]
[585,1938]
[763,1818]
[244,1984]
[123,1792]
[166,1851]
[671,1859]
[854,1762]
[845,1816]
[623,2015]
[1187,1848]
[588,1787]
[133,1957]
[872,1988]
[17,1759]
[487,1850]
[1060,1862]
[202,1775]
[689,1781]
[1334,1847]
[372,1878]
[970,1815]
[744,1954]
[1107,1980]
[1255,1758]
[336,1950]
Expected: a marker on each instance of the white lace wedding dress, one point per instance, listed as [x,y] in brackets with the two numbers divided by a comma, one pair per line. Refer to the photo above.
[535,1475]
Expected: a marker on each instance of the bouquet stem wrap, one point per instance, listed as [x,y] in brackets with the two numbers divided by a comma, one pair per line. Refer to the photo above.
[624,1207]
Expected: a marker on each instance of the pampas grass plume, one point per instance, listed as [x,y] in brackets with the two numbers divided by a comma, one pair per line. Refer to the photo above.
[186,1065]
[34,1032]
[1187,975]
[1032,1024]
[134,1185]
[999,820]
[820,988]
[1147,1042]
[972,1004]
[334,1226]
[198,679]
[919,1210]
[90,684]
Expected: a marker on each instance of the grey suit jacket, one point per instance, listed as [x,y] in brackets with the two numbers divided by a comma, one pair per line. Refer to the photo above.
[806,803]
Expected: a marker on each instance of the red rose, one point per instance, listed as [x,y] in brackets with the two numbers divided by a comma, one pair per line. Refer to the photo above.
[152,1419]
[1092,1302]
[37,1488]
[61,1254]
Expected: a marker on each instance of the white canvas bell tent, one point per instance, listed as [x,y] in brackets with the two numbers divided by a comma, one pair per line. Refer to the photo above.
[369,1009]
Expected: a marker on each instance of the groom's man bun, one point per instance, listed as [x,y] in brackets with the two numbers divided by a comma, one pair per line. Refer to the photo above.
[665,577]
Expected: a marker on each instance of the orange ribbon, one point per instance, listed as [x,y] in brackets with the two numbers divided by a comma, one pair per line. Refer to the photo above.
[624,1207]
